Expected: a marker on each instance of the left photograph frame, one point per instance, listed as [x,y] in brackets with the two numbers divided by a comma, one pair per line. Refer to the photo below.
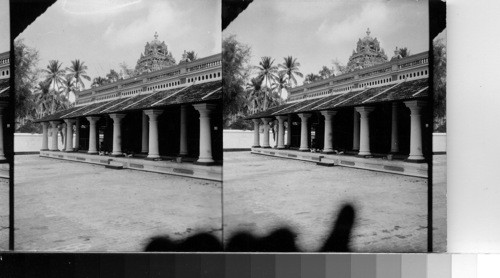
[112,157]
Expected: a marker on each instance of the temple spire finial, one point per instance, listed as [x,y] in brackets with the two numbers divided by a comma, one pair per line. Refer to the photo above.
[156,35]
[368,32]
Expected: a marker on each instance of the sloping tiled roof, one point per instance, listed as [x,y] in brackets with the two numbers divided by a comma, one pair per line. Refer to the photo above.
[406,90]
[191,94]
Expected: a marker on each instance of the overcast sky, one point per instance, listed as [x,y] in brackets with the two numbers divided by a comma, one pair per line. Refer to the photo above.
[104,34]
[318,31]
[4,26]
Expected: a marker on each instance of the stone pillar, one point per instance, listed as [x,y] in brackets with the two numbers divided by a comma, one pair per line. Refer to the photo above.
[265,139]
[55,132]
[364,132]
[69,134]
[304,132]
[92,134]
[355,136]
[281,132]
[154,151]
[205,133]
[328,138]
[289,130]
[117,134]
[256,133]
[416,152]
[77,134]
[183,149]
[2,154]
[394,129]
[45,136]
[145,133]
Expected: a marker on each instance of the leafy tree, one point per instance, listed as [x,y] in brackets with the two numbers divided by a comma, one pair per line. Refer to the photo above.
[338,68]
[235,71]
[191,55]
[112,76]
[404,52]
[125,71]
[26,75]
[98,81]
[312,77]
[290,67]
[254,95]
[326,73]
[77,72]
[439,79]
[54,74]
[68,88]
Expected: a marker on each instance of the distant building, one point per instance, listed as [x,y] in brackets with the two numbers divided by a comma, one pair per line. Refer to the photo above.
[166,120]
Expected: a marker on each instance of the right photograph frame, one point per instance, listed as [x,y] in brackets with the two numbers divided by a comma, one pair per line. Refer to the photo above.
[332,126]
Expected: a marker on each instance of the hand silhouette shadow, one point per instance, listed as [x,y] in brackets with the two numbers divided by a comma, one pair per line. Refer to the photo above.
[280,240]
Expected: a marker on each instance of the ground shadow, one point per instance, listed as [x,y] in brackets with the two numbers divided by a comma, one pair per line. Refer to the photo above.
[279,240]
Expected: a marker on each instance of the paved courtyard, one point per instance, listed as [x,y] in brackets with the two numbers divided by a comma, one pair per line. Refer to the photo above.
[263,193]
[71,206]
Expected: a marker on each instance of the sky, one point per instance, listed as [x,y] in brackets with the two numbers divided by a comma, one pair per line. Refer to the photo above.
[4,26]
[104,34]
[319,31]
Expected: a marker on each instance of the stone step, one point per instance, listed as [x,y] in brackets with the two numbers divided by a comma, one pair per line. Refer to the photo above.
[114,165]
[327,164]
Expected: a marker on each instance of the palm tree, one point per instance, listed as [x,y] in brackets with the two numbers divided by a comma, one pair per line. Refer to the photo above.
[281,83]
[290,67]
[68,88]
[311,78]
[98,81]
[267,71]
[254,97]
[77,71]
[54,74]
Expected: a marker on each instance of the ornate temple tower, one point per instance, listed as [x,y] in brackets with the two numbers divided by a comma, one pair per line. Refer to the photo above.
[155,57]
[368,53]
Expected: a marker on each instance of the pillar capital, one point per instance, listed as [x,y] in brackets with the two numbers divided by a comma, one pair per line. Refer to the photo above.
[415,105]
[69,121]
[45,124]
[266,120]
[204,108]
[256,121]
[304,115]
[281,118]
[54,123]
[326,113]
[364,110]
[93,120]
[117,116]
[153,113]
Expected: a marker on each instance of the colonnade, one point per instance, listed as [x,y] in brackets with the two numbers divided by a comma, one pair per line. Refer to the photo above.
[361,130]
[150,140]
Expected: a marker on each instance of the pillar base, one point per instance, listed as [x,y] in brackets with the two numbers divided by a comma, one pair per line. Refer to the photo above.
[117,155]
[415,160]
[256,146]
[281,147]
[153,158]
[304,150]
[205,163]
[54,150]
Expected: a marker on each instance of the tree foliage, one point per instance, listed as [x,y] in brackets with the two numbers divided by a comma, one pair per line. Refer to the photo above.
[26,75]
[439,79]
[235,72]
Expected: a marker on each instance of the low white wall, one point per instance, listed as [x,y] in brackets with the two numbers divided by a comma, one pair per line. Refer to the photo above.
[243,139]
[27,142]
